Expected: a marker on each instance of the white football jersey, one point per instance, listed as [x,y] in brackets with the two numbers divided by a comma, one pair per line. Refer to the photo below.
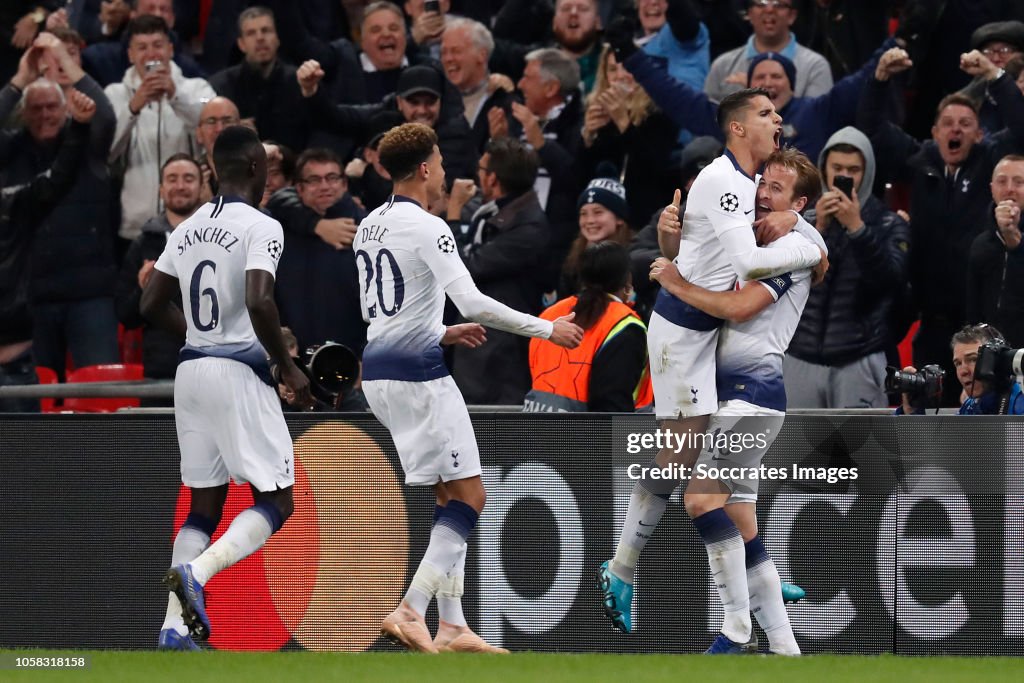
[750,353]
[721,200]
[717,237]
[210,253]
[406,257]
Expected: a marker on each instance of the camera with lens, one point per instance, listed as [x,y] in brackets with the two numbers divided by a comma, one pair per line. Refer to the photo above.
[998,365]
[332,370]
[923,386]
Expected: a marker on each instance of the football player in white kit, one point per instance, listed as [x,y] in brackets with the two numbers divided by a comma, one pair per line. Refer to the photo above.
[761,318]
[714,245]
[228,417]
[407,263]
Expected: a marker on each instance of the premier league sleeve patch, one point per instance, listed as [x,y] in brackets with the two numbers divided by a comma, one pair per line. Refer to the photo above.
[274,248]
[729,202]
[445,244]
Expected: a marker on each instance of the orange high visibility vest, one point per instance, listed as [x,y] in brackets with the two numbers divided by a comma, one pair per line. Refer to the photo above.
[561,377]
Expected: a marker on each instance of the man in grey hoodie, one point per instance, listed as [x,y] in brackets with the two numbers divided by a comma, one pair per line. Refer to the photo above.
[837,356]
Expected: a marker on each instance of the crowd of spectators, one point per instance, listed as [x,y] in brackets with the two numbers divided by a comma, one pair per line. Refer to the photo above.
[562,124]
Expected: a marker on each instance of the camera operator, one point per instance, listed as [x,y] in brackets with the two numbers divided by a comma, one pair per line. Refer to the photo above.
[978,397]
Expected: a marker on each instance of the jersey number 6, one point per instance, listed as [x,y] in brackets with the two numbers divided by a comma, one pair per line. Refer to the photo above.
[378,277]
[195,297]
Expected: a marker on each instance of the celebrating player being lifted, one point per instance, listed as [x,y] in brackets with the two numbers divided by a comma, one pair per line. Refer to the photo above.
[407,263]
[752,400]
[716,244]
[229,421]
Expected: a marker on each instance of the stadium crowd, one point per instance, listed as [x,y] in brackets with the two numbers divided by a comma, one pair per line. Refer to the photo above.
[562,124]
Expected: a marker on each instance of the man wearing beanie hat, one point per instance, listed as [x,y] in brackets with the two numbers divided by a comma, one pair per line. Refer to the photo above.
[771,21]
[808,121]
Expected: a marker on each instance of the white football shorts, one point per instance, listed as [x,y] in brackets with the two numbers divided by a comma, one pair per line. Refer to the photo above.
[749,430]
[430,426]
[682,369]
[230,424]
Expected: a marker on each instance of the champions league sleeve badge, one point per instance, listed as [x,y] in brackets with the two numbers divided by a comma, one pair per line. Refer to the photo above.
[445,244]
[274,248]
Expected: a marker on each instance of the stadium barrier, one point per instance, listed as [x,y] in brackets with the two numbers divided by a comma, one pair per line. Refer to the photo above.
[922,553]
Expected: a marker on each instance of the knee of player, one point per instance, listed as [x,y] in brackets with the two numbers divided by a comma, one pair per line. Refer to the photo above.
[479,499]
[698,504]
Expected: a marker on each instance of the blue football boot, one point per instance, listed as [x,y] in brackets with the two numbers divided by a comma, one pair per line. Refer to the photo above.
[724,646]
[180,581]
[792,592]
[618,598]
[172,640]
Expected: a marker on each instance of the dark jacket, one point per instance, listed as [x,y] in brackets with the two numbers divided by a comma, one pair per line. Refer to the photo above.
[644,154]
[505,267]
[847,316]
[339,57]
[807,122]
[159,347]
[454,137]
[643,250]
[995,284]
[72,255]
[558,161]
[843,31]
[481,131]
[276,103]
[22,207]
[317,288]
[947,215]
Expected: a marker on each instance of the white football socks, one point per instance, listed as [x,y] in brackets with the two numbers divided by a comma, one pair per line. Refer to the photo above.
[449,595]
[188,545]
[727,558]
[642,517]
[247,534]
[442,554]
[766,603]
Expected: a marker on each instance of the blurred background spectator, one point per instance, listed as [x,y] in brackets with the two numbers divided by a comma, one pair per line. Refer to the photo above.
[180,188]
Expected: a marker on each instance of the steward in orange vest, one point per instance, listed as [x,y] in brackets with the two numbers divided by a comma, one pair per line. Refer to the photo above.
[562,378]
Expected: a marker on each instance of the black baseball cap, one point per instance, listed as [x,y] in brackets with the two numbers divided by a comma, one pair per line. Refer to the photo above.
[420,79]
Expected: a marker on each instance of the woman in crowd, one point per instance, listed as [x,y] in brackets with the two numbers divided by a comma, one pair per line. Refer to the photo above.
[622,126]
[608,371]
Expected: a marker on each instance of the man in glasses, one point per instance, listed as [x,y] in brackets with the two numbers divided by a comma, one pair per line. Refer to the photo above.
[771,21]
[317,282]
[214,117]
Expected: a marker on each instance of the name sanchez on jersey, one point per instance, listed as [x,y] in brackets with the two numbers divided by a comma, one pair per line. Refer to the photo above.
[219,236]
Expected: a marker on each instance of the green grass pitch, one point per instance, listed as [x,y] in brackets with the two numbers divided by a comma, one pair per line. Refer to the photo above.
[227,667]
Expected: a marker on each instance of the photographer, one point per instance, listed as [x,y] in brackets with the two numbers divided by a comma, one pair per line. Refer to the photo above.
[978,397]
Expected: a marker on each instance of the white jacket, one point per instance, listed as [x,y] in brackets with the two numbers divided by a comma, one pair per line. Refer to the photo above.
[161,129]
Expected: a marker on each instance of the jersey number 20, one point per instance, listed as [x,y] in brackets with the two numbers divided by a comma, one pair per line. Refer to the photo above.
[377,275]
[196,297]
